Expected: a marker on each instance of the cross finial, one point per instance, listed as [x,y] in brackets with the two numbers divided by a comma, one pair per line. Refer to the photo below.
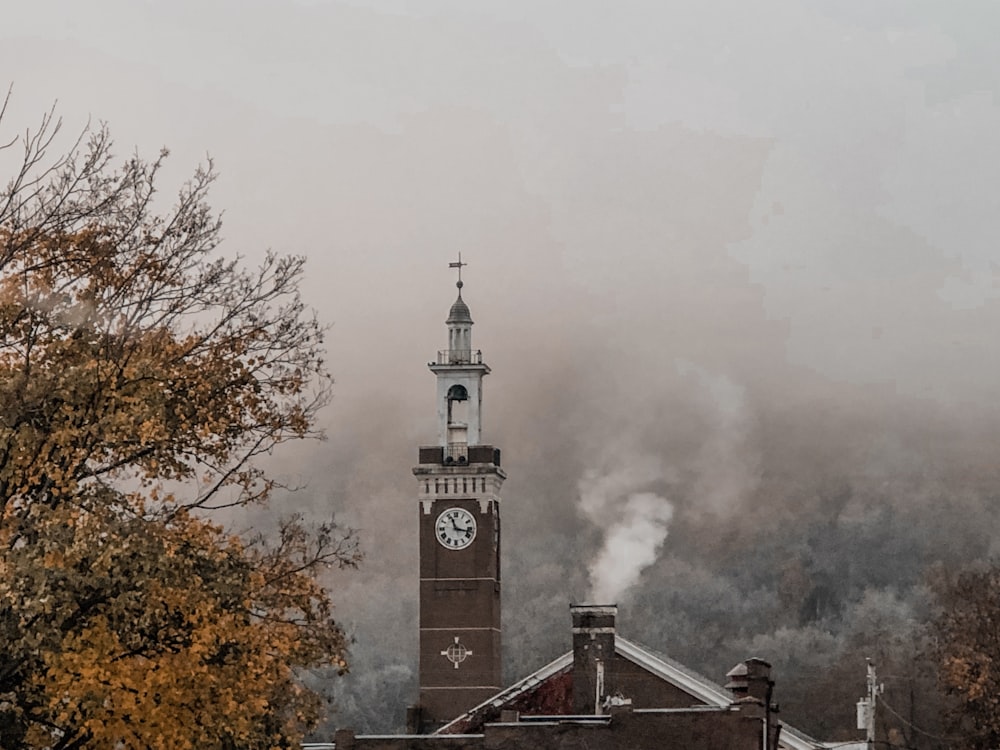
[458,265]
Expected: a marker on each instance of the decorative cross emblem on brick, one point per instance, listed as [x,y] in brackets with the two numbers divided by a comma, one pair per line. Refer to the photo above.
[456,653]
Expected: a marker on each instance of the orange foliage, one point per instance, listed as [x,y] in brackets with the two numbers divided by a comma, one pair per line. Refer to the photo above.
[140,377]
[968,637]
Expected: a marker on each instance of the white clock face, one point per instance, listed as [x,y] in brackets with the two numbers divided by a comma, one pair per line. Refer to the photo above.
[455,528]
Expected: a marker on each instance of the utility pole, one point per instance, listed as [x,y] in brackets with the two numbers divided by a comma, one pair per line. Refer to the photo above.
[866,706]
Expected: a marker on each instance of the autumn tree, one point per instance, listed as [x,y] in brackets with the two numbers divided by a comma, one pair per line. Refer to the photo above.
[967,631]
[142,377]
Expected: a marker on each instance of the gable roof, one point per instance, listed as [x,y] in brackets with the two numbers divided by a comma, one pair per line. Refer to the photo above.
[563,664]
[697,686]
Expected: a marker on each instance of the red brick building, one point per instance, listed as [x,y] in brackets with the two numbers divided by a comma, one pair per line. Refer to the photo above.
[608,692]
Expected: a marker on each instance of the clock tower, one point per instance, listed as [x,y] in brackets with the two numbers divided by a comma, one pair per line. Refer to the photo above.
[458,486]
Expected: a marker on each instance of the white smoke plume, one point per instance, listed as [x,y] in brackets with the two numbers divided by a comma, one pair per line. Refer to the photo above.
[627,502]
[630,546]
[635,522]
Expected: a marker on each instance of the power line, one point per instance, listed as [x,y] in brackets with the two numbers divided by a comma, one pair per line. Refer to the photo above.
[924,732]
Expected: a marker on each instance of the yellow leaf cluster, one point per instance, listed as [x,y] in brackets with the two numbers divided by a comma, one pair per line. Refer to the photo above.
[142,633]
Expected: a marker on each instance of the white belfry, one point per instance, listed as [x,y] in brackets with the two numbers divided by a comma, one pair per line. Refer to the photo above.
[459,370]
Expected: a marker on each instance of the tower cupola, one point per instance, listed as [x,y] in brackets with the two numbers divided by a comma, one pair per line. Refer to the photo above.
[459,330]
[459,312]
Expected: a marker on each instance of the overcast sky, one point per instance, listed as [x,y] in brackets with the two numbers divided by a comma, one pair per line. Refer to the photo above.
[832,165]
[678,216]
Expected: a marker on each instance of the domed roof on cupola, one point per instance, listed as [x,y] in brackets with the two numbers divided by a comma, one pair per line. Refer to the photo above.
[459,312]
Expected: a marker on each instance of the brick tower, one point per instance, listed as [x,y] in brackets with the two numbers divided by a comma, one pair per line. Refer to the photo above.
[458,485]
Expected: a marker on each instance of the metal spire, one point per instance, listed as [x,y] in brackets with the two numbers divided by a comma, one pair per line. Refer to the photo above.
[458,265]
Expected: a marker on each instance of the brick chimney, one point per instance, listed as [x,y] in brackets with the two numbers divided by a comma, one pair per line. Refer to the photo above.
[593,650]
[751,679]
